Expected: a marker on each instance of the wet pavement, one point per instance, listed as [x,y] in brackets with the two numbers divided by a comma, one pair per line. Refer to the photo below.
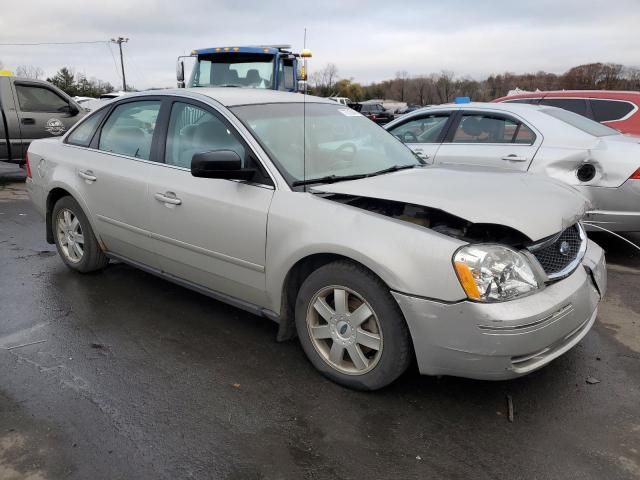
[121,375]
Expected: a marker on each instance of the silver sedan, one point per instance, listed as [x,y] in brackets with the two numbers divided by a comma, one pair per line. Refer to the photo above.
[305,212]
[597,160]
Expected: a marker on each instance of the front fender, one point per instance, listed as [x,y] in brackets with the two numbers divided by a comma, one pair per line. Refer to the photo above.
[407,257]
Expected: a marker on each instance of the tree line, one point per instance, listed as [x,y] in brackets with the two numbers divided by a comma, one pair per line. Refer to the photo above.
[443,87]
[67,80]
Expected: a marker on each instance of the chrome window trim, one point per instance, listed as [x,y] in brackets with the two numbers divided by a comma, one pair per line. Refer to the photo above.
[151,162]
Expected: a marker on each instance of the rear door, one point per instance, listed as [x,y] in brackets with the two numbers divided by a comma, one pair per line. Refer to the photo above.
[113,174]
[423,133]
[42,111]
[491,139]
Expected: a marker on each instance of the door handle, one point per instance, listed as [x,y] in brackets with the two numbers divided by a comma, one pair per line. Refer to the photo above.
[168,198]
[515,158]
[28,121]
[87,175]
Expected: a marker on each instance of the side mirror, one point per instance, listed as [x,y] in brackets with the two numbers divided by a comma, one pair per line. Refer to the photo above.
[224,164]
[180,73]
[70,108]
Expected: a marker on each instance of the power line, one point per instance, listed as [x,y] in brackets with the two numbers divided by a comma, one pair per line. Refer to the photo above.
[49,43]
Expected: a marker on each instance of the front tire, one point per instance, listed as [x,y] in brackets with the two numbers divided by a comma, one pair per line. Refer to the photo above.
[351,328]
[74,238]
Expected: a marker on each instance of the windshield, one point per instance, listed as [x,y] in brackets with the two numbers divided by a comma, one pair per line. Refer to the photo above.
[581,123]
[234,69]
[339,141]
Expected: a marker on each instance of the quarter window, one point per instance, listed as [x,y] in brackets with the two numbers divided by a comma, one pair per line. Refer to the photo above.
[421,130]
[609,110]
[40,99]
[475,128]
[194,130]
[575,105]
[83,133]
[129,129]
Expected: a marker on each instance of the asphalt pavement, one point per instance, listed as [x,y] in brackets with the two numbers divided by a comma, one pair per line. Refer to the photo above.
[121,375]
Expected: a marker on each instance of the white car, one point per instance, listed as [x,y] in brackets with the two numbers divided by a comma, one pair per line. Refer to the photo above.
[597,160]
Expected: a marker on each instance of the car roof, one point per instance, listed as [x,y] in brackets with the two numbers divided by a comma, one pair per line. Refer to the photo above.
[233,96]
[506,107]
[596,94]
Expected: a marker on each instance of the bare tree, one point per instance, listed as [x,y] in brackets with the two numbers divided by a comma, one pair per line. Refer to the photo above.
[324,80]
[402,80]
[29,71]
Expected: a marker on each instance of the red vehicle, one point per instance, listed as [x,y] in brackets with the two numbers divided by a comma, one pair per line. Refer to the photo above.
[617,109]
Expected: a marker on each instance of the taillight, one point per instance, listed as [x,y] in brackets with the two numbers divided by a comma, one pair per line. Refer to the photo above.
[635,175]
[28,167]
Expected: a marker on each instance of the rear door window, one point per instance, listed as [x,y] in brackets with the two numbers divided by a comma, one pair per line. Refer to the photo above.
[609,110]
[83,133]
[129,129]
[492,129]
[575,105]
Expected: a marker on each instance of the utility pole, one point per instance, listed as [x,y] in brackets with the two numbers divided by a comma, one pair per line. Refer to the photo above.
[120,41]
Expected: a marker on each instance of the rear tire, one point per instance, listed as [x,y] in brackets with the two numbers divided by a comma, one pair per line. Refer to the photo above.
[351,328]
[74,238]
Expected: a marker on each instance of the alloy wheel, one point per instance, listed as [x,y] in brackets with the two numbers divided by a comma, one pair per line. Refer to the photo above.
[344,330]
[70,236]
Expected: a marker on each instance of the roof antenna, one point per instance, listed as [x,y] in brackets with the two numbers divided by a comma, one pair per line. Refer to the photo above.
[304,113]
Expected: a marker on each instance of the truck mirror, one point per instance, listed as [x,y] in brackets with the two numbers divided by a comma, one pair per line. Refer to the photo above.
[180,73]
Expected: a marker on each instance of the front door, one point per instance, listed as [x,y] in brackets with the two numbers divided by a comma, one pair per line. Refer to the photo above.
[113,178]
[423,134]
[210,232]
[42,112]
[489,139]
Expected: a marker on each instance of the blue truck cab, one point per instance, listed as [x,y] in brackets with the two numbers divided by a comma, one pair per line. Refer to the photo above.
[273,67]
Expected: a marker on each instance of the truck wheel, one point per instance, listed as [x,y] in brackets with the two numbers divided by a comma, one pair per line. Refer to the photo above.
[351,328]
[75,241]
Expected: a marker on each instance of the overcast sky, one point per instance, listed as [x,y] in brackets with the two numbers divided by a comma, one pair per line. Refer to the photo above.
[367,40]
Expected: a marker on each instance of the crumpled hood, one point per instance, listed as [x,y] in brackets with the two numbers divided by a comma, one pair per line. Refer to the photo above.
[535,205]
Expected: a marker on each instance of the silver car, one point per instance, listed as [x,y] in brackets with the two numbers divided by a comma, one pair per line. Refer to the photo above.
[303,211]
[597,160]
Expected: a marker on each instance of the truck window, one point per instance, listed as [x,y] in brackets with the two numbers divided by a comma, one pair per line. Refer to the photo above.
[39,99]
[240,70]
[285,76]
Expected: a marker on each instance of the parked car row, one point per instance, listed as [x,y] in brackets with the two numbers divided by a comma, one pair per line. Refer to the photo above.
[303,211]
[616,109]
[599,161]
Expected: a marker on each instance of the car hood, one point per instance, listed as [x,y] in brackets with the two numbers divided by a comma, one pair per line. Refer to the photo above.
[532,204]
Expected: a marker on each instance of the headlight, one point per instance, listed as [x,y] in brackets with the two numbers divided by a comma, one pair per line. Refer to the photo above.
[493,273]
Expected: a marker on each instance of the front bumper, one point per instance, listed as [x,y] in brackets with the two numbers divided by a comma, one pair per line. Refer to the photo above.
[499,341]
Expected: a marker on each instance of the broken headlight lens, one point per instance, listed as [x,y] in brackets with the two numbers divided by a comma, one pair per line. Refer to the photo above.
[493,273]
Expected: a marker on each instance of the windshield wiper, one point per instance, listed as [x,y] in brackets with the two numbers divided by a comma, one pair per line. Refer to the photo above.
[338,178]
[328,179]
[394,168]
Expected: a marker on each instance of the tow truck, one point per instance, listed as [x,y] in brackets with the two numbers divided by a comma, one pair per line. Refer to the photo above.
[273,67]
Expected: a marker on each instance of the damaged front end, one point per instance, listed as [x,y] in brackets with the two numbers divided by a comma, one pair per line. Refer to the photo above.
[555,257]
[436,220]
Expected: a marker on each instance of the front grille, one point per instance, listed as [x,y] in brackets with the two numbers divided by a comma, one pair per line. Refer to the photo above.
[558,255]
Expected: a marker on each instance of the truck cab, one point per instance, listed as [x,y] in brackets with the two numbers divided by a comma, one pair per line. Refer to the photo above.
[273,67]
[32,109]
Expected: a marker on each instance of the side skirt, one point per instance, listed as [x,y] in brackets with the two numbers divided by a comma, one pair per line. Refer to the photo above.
[221,297]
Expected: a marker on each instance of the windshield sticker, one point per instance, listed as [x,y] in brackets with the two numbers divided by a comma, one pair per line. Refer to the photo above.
[349,112]
[54,126]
